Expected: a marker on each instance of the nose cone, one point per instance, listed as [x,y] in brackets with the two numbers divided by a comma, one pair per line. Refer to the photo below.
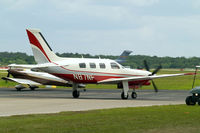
[148,73]
[143,73]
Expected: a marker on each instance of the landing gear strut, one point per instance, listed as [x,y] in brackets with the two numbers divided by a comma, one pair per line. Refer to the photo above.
[123,96]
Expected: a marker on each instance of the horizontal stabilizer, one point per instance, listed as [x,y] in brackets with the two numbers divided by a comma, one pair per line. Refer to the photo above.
[21,81]
[33,66]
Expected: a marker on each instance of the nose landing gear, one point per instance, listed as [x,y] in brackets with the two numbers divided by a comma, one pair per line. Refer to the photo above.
[134,95]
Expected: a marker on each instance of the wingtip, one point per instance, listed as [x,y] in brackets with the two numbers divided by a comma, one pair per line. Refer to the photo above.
[189,74]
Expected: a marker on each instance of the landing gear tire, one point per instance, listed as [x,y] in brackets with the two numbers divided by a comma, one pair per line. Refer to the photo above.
[134,95]
[190,100]
[124,97]
[76,94]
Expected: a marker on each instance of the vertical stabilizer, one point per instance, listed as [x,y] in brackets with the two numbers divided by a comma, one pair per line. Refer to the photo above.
[41,50]
[122,58]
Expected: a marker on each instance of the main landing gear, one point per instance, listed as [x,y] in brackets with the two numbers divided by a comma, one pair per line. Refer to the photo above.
[124,94]
[75,92]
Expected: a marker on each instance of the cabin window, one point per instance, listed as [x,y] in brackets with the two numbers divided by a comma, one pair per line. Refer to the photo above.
[92,65]
[82,65]
[114,65]
[102,65]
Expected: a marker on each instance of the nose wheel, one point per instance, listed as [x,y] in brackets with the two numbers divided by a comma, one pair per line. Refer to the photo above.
[134,95]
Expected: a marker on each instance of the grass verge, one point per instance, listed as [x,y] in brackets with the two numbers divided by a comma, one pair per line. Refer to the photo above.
[156,119]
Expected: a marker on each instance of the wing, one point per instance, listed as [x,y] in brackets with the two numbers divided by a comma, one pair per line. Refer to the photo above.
[21,81]
[117,80]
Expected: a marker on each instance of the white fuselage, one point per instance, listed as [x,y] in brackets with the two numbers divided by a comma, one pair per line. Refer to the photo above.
[84,70]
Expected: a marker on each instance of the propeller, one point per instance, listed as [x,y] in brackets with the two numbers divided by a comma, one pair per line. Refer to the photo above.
[157,69]
[146,65]
[8,75]
[153,73]
[154,86]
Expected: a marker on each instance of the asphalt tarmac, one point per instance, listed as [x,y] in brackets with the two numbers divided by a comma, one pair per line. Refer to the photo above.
[57,100]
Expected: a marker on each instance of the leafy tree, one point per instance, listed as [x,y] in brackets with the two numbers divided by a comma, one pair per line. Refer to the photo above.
[134,61]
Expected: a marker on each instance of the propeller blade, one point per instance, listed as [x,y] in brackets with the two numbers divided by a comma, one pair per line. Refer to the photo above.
[157,69]
[146,65]
[154,85]
[8,75]
[154,72]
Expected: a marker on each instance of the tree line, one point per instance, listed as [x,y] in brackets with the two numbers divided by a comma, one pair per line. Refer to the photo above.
[134,61]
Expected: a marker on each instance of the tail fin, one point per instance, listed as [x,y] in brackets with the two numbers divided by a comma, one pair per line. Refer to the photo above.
[122,58]
[41,50]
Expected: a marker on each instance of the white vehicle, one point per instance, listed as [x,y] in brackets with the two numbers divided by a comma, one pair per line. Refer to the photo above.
[89,71]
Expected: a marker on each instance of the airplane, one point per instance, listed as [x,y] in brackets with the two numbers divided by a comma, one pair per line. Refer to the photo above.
[122,58]
[34,78]
[90,71]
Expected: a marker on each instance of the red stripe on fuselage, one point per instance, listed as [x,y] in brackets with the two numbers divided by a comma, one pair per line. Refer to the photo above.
[84,79]
[33,40]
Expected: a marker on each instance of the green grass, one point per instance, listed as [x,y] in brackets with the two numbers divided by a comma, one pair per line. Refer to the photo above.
[171,83]
[175,83]
[156,119]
